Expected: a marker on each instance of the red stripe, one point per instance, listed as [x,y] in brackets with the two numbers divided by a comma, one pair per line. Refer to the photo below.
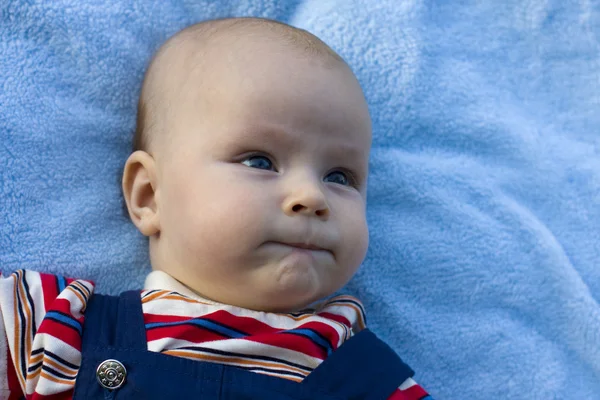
[415,392]
[338,318]
[61,332]
[49,289]
[66,395]
[248,325]
[71,280]
[61,305]
[191,333]
[13,381]
[325,330]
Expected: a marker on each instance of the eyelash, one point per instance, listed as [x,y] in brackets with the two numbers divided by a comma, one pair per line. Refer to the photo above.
[350,176]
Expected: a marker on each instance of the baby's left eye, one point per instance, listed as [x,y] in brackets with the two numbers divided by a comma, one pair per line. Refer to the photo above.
[339,177]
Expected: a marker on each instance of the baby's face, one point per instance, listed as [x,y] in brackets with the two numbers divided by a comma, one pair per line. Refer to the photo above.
[262,182]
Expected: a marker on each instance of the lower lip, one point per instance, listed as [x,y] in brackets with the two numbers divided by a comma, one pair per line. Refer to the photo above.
[302,253]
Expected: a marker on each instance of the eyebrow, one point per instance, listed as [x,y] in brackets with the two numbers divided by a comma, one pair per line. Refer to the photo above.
[345,150]
[278,136]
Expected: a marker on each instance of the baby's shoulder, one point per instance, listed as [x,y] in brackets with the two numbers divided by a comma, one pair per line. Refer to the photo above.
[35,293]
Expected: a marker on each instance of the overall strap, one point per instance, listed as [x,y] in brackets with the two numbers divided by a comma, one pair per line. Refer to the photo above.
[114,321]
[362,368]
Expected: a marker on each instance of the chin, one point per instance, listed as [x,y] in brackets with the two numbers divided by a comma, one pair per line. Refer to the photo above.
[293,299]
[296,290]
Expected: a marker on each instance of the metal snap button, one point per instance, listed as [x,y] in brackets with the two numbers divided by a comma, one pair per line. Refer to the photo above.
[111,374]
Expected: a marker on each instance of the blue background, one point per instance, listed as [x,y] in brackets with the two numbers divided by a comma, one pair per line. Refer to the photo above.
[484,196]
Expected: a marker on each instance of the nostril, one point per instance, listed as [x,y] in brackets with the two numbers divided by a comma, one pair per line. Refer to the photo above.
[321,212]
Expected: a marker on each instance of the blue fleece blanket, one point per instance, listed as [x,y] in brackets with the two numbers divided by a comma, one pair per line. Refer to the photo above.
[484,204]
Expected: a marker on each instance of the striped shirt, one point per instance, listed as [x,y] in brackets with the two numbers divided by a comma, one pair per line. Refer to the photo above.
[42,319]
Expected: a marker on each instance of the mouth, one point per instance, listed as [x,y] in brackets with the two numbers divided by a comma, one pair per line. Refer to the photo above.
[306,246]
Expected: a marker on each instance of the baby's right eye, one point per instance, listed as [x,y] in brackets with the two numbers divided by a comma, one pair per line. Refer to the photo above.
[260,162]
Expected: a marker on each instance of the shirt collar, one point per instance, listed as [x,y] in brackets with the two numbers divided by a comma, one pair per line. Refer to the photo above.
[159,280]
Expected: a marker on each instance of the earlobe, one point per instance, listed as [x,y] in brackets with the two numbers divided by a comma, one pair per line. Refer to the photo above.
[140,190]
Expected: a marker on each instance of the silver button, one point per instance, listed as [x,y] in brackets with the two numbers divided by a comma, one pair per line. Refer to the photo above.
[111,374]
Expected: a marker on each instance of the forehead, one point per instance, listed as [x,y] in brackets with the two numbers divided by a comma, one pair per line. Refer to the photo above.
[313,125]
[259,90]
[293,91]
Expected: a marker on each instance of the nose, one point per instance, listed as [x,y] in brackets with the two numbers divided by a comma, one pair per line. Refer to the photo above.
[307,199]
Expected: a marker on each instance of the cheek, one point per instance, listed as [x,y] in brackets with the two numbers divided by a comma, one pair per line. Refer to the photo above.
[219,218]
[354,237]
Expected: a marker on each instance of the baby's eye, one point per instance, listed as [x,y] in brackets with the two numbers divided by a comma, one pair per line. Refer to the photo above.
[341,178]
[260,162]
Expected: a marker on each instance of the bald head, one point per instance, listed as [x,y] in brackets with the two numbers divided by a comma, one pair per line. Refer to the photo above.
[201,51]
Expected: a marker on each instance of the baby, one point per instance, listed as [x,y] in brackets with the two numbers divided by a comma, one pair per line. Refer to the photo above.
[249,178]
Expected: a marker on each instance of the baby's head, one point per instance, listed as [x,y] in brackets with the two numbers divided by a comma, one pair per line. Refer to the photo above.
[250,176]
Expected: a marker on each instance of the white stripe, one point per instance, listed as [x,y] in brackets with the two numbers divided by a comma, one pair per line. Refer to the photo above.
[47,387]
[408,383]
[239,346]
[34,281]
[72,296]
[7,292]
[250,364]
[64,350]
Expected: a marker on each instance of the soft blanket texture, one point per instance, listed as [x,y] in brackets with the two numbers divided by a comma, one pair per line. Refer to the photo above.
[484,205]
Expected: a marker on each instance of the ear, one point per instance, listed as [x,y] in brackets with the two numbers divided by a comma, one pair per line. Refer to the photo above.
[140,192]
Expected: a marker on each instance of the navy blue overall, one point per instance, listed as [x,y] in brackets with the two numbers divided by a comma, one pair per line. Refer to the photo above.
[363,368]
